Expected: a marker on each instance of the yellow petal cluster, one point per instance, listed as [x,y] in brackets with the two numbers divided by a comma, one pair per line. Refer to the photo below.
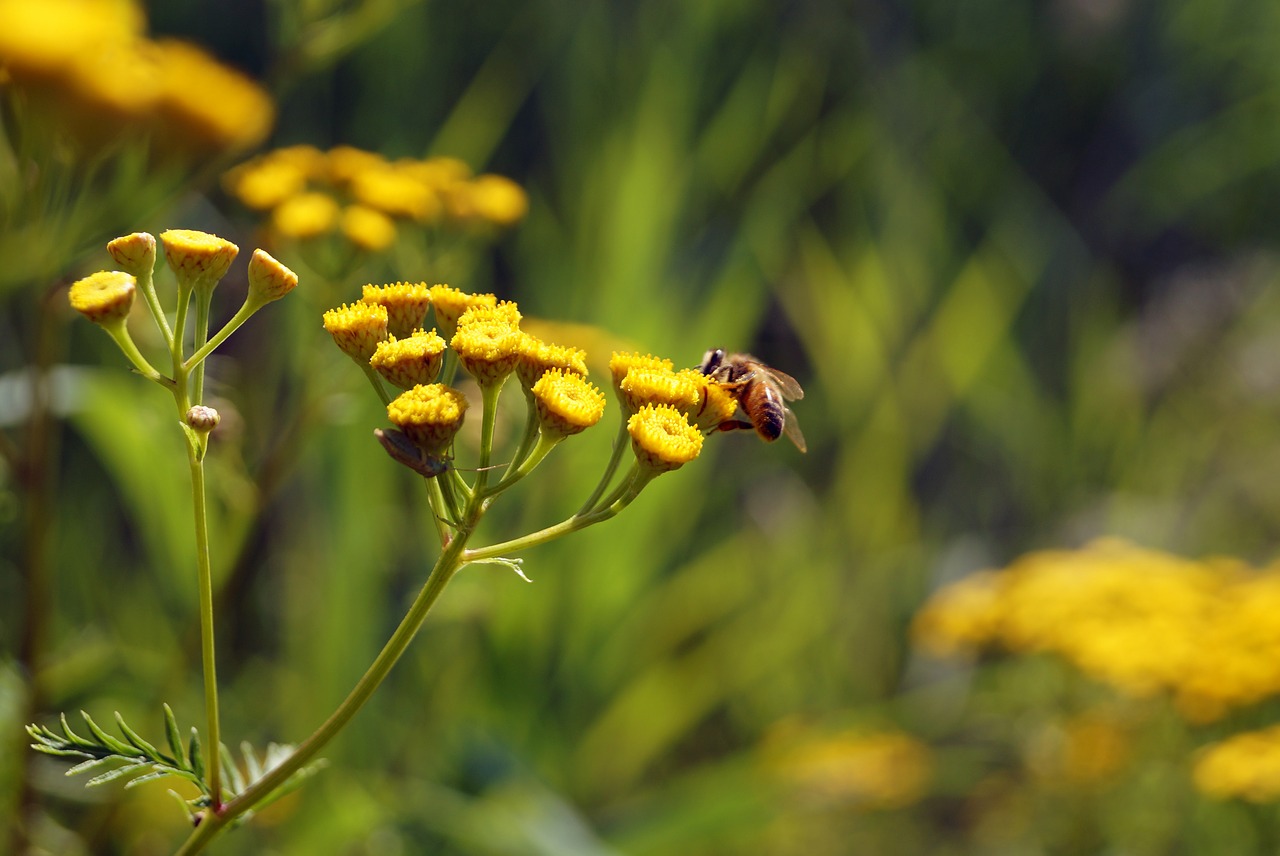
[622,362]
[450,303]
[305,216]
[487,350]
[643,386]
[662,438]
[567,403]
[430,415]
[407,304]
[269,279]
[357,328]
[1244,766]
[377,197]
[537,356]
[89,66]
[1141,620]
[411,361]
[104,297]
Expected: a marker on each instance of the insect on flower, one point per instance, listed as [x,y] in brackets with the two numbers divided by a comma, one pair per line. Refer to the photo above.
[762,392]
[405,451]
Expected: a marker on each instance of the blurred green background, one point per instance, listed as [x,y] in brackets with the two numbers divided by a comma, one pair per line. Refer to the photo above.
[1020,256]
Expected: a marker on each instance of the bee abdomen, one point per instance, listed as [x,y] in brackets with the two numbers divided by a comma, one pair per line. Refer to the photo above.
[770,420]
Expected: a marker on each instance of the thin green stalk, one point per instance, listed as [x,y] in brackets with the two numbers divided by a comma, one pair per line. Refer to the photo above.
[527,441]
[147,285]
[204,350]
[545,444]
[376,379]
[619,443]
[446,566]
[439,508]
[120,335]
[489,393]
[205,584]
[634,483]
[204,298]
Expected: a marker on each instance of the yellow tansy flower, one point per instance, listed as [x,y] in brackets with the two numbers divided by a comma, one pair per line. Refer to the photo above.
[412,361]
[621,362]
[716,404]
[357,328]
[407,304]
[498,200]
[198,259]
[487,350]
[305,216]
[450,303]
[866,770]
[659,386]
[662,438]
[502,312]
[104,297]
[567,403]
[537,356]
[264,183]
[369,230]
[1244,766]
[207,106]
[429,415]
[393,192]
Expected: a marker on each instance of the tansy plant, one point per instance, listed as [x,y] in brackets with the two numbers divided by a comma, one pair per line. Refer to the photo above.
[664,416]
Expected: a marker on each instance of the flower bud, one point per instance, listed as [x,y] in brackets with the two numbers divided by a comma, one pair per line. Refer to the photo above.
[198,259]
[202,419]
[105,297]
[134,253]
[268,279]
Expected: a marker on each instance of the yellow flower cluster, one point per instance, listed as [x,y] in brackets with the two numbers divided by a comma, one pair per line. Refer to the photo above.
[869,770]
[86,67]
[1143,621]
[641,379]
[308,193]
[1244,766]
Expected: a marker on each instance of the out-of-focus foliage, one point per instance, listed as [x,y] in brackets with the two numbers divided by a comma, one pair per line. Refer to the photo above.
[1019,255]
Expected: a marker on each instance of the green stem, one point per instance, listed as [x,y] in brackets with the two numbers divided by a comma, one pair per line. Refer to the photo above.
[619,443]
[179,330]
[439,508]
[120,334]
[527,441]
[633,484]
[147,285]
[204,297]
[545,444]
[376,379]
[205,584]
[489,394]
[446,566]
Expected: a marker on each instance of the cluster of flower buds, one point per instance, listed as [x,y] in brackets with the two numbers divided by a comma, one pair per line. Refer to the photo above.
[309,194]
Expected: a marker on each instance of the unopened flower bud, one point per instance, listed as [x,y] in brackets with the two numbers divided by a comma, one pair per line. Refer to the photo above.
[203,419]
[135,253]
[198,259]
[268,279]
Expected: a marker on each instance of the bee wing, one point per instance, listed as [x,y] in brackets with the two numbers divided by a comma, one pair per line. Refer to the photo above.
[790,389]
[791,428]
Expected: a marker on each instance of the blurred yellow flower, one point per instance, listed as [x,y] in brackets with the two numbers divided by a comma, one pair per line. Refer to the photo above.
[307,215]
[370,230]
[207,107]
[867,770]
[1245,766]
[1140,620]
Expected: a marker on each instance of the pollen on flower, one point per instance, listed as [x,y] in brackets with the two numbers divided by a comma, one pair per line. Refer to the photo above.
[450,303]
[662,438]
[537,356]
[502,312]
[567,403]
[357,328]
[621,362]
[716,404]
[268,279]
[430,415]
[407,304]
[487,350]
[135,253]
[198,259]
[411,361]
[368,229]
[660,386]
[104,297]
[305,216]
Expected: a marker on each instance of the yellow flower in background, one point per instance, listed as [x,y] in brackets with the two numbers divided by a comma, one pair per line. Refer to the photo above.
[868,770]
[1244,766]
[367,229]
[305,216]
[1140,620]
[662,438]
[357,329]
[1087,749]
[39,39]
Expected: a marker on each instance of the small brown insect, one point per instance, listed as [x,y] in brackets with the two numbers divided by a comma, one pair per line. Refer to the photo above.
[762,392]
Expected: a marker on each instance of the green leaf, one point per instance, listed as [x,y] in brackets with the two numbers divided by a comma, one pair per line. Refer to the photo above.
[106,739]
[93,764]
[141,745]
[229,770]
[197,757]
[73,737]
[174,737]
[112,775]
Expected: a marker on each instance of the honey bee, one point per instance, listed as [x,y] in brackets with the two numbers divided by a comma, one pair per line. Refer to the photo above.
[762,392]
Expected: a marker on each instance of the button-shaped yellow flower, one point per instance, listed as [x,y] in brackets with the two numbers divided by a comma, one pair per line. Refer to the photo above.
[105,297]
[716,404]
[430,415]
[504,312]
[305,216]
[198,259]
[487,350]
[367,229]
[622,362]
[135,253]
[567,403]
[660,386]
[411,361]
[450,303]
[662,438]
[537,356]
[357,328]
[407,304]
[268,279]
